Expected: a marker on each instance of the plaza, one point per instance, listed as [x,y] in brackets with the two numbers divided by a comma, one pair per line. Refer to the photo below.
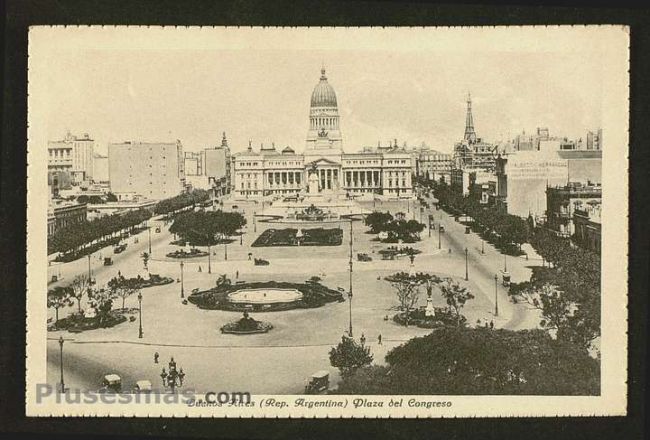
[298,345]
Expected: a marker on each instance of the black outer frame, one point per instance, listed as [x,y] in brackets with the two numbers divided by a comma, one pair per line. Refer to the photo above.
[22,13]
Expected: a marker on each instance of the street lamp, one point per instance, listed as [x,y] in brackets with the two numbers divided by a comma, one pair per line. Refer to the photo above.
[140,334]
[439,232]
[482,246]
[350,291]
[149,240]
[182,281]
[174,378]
[225,251]
[496,298]
[505,263]
[89,273]
[254,221]
[61,346]
[466,266]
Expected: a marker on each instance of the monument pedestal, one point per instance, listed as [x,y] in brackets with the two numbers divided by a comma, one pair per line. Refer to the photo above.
[429,311]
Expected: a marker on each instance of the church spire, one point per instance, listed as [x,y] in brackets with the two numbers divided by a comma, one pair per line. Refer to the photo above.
[470,134]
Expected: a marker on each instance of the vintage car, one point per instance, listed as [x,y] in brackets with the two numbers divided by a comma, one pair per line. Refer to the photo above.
[108,261]
[318,383]
[506,278]
[261,262]
[142,386]
[112,383]
[364,257]
[441,228]
[158,230]
[119,248]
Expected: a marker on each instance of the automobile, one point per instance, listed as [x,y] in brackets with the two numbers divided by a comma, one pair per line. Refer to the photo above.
[441,228]
[142,386]
[261,262]
[158,229]
[119,248]
[364,257]
[108,261]
[112,383]
[318,383]
[506,278]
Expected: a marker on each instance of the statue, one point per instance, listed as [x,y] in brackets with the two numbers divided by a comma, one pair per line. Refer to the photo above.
[314,185]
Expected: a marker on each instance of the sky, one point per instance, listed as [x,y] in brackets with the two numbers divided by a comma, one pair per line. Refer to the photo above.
[162,84]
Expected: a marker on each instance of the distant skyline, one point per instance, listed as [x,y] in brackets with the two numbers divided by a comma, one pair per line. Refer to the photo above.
[193,84]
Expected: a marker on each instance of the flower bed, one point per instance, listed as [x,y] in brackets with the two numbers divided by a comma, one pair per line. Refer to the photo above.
[193,253]
[77,323]
[443,318]
[218,298]
[310,237]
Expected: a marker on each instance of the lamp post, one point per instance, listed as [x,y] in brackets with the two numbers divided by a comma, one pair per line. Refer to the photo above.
[149,229]
[89,273]
[140,334]
[254,221]
[505,263]
[209,258]
[61,347]
[225,251]
[482,246]
[350,291]
[439,245]
[496,298]
[174,378]
[466,265]
[182,281]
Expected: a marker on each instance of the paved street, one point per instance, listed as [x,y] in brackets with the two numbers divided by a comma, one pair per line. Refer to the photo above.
[281,360]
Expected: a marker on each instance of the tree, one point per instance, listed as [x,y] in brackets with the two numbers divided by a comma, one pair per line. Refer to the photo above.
[456,296]
[314,280]
[470,361]
[406,288]
[348,356]
[145,260]
[207,228]
[102,301]
[123,288]
[59,297]
[378,221]
[80,285]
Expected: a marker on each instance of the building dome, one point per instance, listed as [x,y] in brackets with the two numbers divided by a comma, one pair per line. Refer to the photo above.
[323,94]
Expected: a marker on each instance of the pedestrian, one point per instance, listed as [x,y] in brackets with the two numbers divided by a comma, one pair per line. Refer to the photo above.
[379,339]
[237,274]
[155,357]
[450,250]
[492,325]
[200,269]
[363,339]
[486,324]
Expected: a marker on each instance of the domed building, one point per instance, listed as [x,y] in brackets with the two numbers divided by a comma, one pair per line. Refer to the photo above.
[323,167]
[324,131]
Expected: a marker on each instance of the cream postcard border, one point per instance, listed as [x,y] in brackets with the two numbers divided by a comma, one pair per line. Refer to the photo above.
[613,398]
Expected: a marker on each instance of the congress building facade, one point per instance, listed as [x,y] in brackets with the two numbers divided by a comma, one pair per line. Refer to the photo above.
[270,171]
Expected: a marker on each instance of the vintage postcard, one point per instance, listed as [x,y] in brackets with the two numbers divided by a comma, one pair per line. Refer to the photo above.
[327,222]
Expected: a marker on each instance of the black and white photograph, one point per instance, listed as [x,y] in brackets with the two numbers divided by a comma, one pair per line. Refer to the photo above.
[312,222]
